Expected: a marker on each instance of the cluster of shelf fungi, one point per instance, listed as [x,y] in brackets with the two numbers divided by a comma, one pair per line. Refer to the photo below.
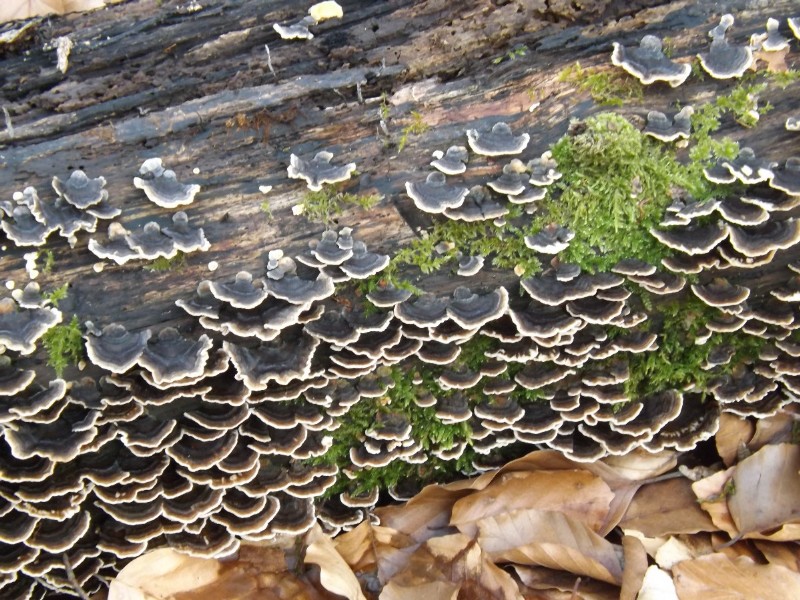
[202,438]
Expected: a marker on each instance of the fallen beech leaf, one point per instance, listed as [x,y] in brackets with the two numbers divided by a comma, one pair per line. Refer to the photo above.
[784,555]
[672,552]
[579,494]
[657,585]
[443,590]
[549,583]
[550,539]
[733,434]
[258,572]
[22,9]
[665,508]
[775,429]
[717,577]
[651,544]
[424,516]
[635,560]
[161,574]
[454,559]
[767,492]
[371,547]
[335,575]
[711,493]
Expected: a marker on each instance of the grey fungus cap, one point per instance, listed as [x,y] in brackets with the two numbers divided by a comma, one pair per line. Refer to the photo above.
[434,195]
[318,170]
[723,60]
[648,63]
[162,186]
[497,142]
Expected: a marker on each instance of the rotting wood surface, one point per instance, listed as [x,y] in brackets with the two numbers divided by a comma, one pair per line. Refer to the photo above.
[152,79]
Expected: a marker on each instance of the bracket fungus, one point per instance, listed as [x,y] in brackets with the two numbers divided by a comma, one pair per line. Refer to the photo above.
[452,162]
[661,127]
[499,141]
[434,195]
[162,186]
[20,328]
[319,170]
[723,60]
[80,191]
[648,63]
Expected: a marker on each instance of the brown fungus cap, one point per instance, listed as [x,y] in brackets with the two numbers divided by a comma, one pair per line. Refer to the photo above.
[698,239]
[471,311]
[170,357]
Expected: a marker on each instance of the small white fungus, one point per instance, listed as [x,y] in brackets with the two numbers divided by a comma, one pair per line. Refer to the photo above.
[213,265]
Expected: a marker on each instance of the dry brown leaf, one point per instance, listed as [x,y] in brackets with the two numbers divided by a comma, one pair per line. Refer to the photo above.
[672,552]
[541,582]
[657,585]
[161,574]
[258,573]
[717,577]
[635,561]
[335,575]
[454,559]
[775,429]
[733,433]
[776,553]
[710,492]
[767,493]
[579,494]
[371,547]
[550,539]
[666,508]
[424,516]
[23,9]
[443,590]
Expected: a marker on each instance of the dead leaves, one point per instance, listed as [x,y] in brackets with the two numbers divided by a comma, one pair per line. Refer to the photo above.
[543,528]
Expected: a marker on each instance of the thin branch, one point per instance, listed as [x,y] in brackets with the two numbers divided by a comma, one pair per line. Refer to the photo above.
[269,62]
[72,579]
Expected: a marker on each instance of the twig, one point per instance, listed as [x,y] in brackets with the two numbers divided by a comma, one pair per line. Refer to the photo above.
[269,62]
[72,580]
[358,92]
[9,125]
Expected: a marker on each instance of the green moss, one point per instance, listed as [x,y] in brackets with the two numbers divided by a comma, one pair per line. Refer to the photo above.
[678,362]
[324,205]
[428,430]
[266,209]
[416,127]
[49,261]
[742,103]
[516,52]
[64,345]
[57,295]
[609,87]
[162,264]
[615,187]
[784,79]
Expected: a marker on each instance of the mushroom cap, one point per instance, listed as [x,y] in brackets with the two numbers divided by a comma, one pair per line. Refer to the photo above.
[511,181]
[720,292]
[648,63]
[739,212]
[333,328]
[724,61]
[203,303]
[23,229]
[117,248]
[424,311]
[362,263]
[552,292]
[150,243]
[787,179]
[668,129]
[771,40]
[115,348]
[279,361]
[20,328]
[329,252]
[185,237]
[451,162]
[551,240]
[477,206]
[497,142]
[170,357]
[762,239]
[296,290]
[243,292]
[318,170]
[80,191]
[59,215]
[161,186]
[698,239]
[386,295]
[13,380]
[434,195]
[472,311]
[469,265]
[633,266]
